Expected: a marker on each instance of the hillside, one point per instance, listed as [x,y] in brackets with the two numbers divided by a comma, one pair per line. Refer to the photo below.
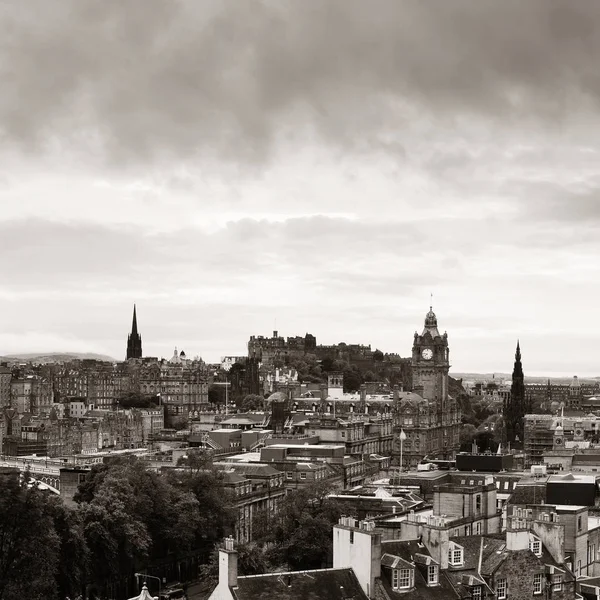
[52,357]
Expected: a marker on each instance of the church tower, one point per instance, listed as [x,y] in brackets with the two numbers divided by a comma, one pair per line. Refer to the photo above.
[431,363]
[134,340]
[515,406]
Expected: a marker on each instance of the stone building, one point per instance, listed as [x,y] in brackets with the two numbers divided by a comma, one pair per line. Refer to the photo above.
[429,416]
[5,379]
[475,567]
[31,394]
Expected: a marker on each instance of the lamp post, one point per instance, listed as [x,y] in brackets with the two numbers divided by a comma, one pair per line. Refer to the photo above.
[402,437]
[151,577]
[226,367]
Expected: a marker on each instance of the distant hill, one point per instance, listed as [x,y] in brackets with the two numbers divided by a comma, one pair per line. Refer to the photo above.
[52,357]
[499,376]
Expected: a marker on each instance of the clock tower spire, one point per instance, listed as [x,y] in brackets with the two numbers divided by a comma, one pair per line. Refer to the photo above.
[430,362]
[437,415]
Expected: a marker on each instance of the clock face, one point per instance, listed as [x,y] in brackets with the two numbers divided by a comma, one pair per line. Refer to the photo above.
[427,354]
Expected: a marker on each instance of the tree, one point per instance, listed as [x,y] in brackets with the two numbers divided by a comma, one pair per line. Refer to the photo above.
[133,517]
[136,400]
[370,376]
[466,437]
[73,558]
[300,533]
[29,544]
[251,402]
[216,394]
[352,379]
[205,483]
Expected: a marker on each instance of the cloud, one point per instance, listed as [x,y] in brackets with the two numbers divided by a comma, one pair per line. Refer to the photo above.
[149,80]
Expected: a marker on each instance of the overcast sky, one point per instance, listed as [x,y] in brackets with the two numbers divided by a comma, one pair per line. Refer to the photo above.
[311,166]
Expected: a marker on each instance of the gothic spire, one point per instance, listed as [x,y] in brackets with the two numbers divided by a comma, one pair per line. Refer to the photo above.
[134,330]
[134,339]
[518,368]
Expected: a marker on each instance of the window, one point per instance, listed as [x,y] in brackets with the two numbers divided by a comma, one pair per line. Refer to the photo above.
[455,555]
[432,575]
[557,583]
[536,546]
[476,592]
[351,536]
[579,523]
[288,474]
[478,503]
[395,579]
[403,579]
[537,583]
[578,567]
[302,475]
[501,588]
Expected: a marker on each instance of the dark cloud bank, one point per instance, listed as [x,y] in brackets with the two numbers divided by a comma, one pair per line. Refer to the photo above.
[147,79]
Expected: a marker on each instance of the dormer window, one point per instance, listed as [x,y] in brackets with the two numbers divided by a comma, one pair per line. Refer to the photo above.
[455,555]
[476,592]
[432,575]
[535,545]
[402,579]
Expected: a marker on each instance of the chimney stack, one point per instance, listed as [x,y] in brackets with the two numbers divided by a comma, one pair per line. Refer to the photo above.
[324,391]
[363,392]
[228,564]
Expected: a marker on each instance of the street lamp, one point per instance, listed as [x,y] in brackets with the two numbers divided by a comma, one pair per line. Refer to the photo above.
[402,437]
[151,577]
[226,368]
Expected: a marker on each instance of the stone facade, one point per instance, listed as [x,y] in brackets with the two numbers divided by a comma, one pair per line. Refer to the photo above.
[429,417]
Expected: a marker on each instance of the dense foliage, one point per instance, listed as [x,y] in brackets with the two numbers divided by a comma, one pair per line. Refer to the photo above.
[127,519]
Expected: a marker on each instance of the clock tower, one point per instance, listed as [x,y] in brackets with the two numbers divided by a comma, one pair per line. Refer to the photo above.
[431,363]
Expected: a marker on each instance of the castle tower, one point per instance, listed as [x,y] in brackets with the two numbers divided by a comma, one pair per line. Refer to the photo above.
[431,363]
[514,407]
[134,340]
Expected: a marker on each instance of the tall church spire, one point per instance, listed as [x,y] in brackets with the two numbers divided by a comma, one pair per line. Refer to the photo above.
[134,330]
[134,339]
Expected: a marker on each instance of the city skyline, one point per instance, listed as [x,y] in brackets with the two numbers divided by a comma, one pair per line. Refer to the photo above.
[322,169]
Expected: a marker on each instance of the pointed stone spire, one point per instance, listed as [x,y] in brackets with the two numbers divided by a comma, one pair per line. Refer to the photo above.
[134,330]
[134,339]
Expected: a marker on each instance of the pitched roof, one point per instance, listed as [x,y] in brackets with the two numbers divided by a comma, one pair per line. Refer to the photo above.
[413,551]
[528,494]
[472,548]
[323,584]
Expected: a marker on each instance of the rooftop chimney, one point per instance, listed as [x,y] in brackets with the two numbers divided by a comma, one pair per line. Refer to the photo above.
[517,534]
[228,564]
[323,390]
[363,392]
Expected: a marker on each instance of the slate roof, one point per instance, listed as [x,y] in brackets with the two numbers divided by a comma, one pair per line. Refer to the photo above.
[323,584]
[249,470]
[528,494]
[494,553]
[232,478]
[472,547]
[412,551]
